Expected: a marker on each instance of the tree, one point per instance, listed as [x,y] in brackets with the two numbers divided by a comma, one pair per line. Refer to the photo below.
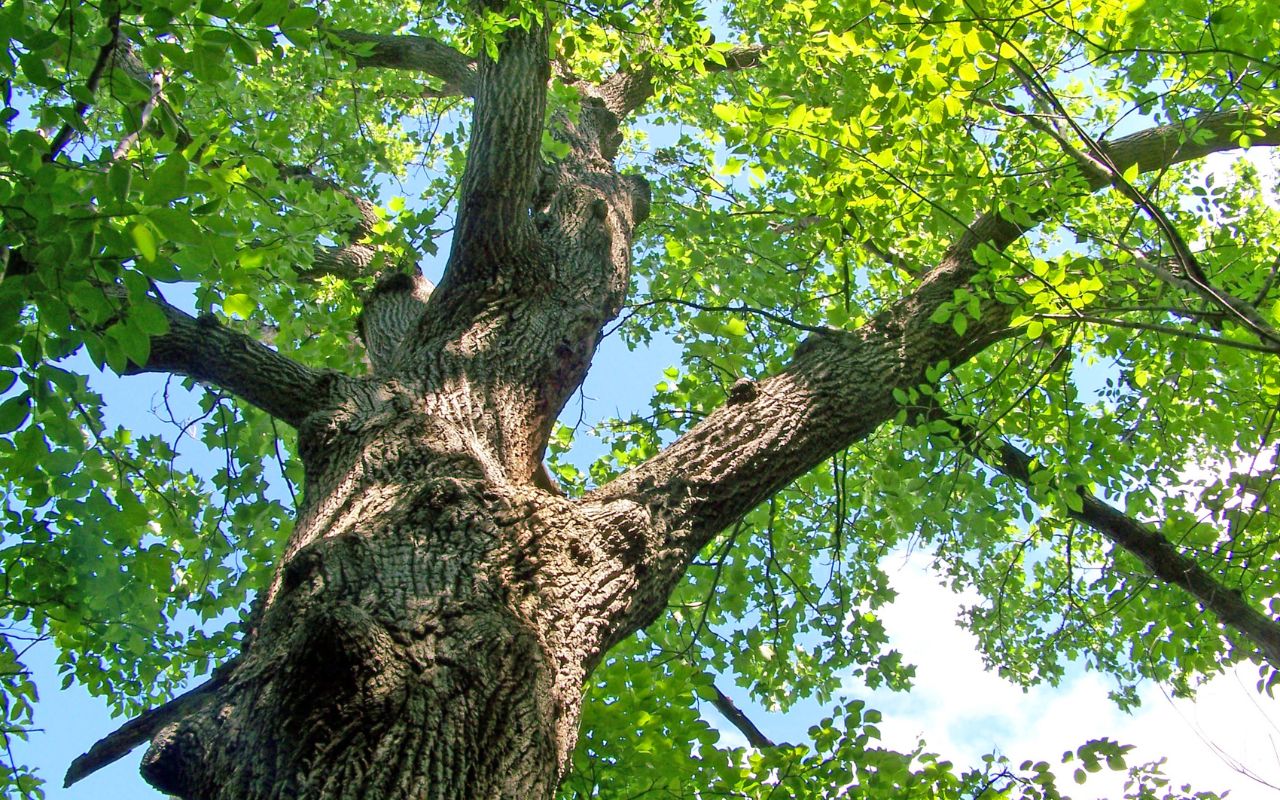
[946,273]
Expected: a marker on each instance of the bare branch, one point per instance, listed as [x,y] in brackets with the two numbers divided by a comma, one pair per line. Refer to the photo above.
[349,262]
[144,117]
[1169,330]
[1096,162]
[119,743]
[739,720]
[366,212]
[391,311]
[740,308]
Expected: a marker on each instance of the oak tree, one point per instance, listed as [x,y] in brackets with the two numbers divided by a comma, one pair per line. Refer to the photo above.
[949,274]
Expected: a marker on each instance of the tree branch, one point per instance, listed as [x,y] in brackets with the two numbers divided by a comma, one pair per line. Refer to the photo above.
[1169,330]
[366,212]
[416,54]
[1096,162]
[839,387]
[1156,553]
[739,720]
[391,311]
[494,230]
[120,742]
[95,76]
[204,349]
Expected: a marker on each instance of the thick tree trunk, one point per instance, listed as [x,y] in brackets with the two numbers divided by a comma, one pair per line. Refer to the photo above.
[429,635]
[414,653]
[435,614]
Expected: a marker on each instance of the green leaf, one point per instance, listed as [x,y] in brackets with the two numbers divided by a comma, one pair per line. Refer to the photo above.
[168,182]
[149,318]
[239,305]
[271,12]
[14,411]
[145,240]
[300,17]
[119,178]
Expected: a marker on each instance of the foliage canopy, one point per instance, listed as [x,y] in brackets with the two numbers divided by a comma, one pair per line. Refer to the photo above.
[810,161]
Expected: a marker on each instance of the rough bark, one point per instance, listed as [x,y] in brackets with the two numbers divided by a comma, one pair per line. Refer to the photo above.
[435,615]
[418,54]
[204,349]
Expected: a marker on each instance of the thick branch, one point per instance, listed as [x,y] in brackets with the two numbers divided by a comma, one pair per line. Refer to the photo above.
[391,311]
[204,349]
[494,226]
[119,743]
[839,388]
[417,54]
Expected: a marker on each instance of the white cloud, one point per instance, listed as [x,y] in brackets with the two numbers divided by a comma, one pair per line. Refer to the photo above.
[963,711]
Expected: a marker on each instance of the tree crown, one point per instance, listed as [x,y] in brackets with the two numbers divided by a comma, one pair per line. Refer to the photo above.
[1083,433]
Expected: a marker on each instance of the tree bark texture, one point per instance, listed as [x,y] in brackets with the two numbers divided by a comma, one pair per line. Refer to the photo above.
[435,616]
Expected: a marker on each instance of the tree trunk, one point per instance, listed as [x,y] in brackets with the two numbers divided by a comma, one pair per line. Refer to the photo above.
[428,636]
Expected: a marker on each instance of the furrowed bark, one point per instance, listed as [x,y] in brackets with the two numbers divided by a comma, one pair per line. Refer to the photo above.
[839,388]
[204,349]
[435,614]
[391,312]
